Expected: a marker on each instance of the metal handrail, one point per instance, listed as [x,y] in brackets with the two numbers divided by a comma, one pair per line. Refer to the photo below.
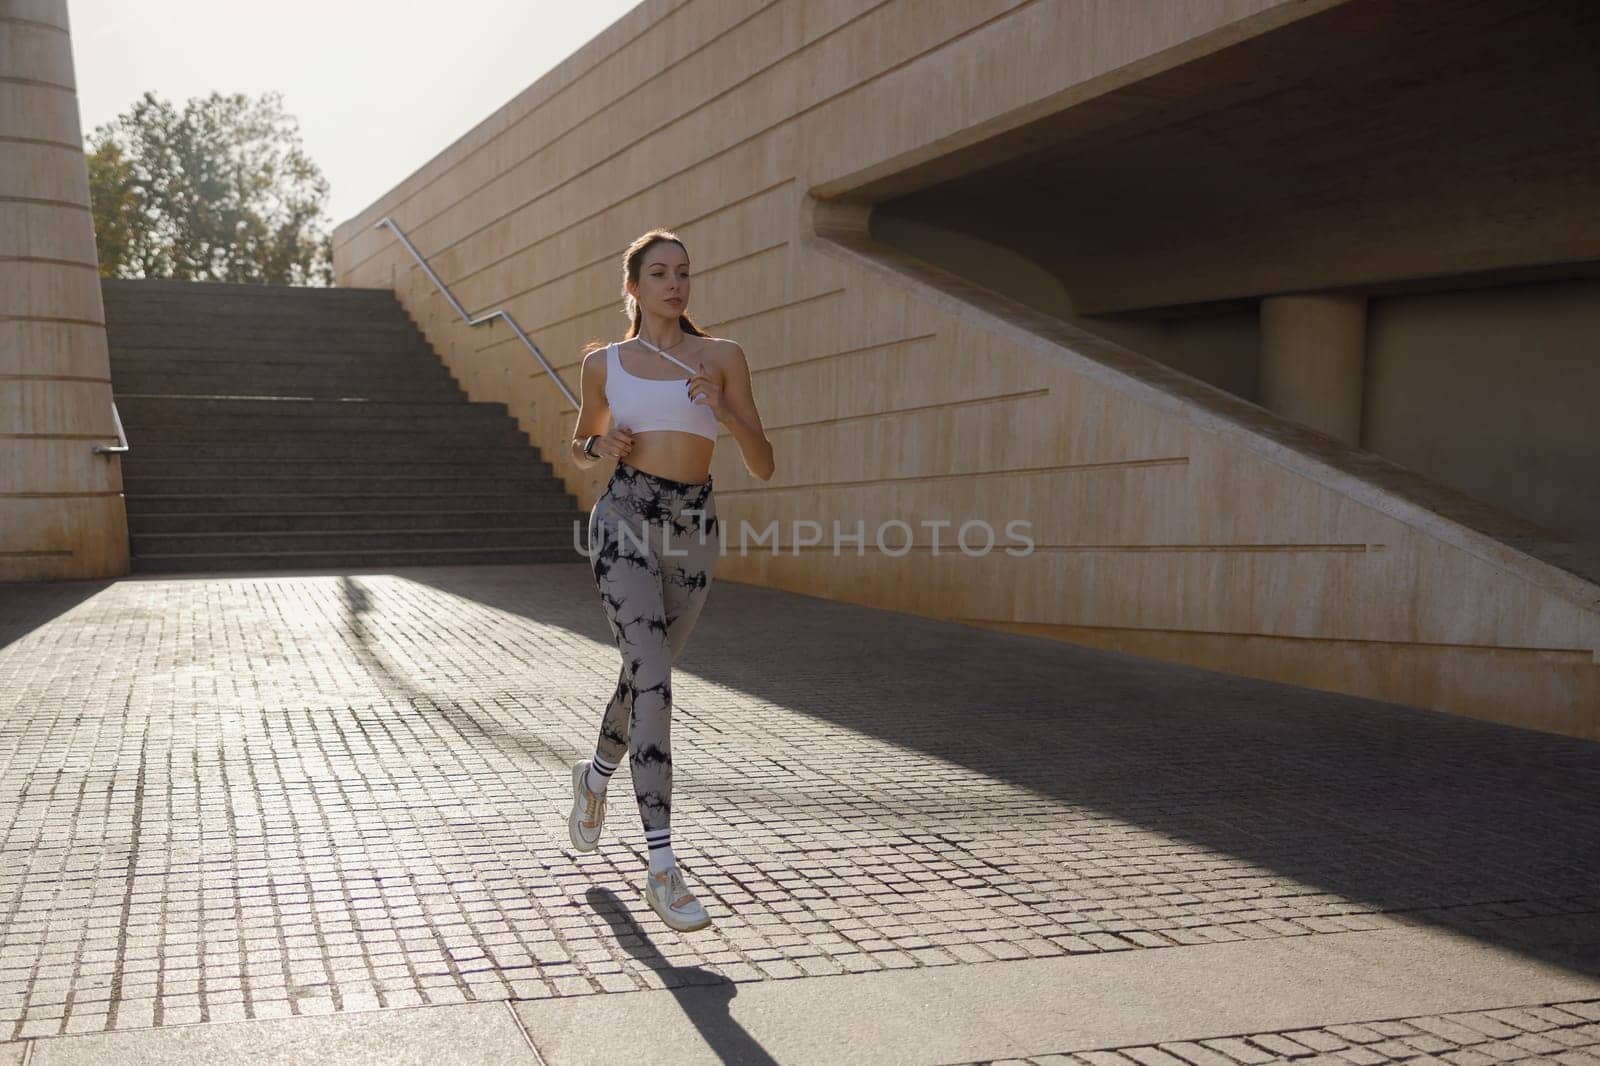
[523,337]
[122,438]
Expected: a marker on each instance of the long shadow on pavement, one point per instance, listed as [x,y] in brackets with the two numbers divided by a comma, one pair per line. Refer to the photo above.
[1485,829]
[25,606]
[703,996]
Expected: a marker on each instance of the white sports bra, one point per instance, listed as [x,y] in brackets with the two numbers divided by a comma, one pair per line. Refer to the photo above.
[648,403]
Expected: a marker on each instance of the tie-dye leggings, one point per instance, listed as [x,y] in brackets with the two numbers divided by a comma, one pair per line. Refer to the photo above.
[653,543]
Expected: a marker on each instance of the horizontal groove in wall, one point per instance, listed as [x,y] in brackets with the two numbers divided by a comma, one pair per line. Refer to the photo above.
[18,20]
[1018,471]
[25,554]
[974,401]
[40,201]
[54,377]
[62,146]
[773,309]
[8,139]
[1422,645]
[52,318]
[829,357]
[12,79]
[55,495]
[76,263]
[56,436]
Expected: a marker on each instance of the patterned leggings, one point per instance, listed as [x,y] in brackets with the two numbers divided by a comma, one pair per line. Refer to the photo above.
[652,598]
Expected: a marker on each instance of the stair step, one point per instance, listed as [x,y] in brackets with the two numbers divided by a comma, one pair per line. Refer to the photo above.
[411,371]
[179,312]
[186,323]
[180,309]
[217,291]
[163,407]
[175,372]
[268,323]
[355,417]
[247,483]
[360,431]
[140,467]
[406,449]
[302,358]
[396,375]
[295,391]
[360,337]
[365,439]
[306,521]
[554,535]
[433,388]
[364,560]
[292,391]
[319,344]
[549,495]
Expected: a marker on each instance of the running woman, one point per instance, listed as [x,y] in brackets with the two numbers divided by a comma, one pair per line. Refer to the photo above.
[653,402]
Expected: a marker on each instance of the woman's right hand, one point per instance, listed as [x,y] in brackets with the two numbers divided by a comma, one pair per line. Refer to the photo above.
[616,444]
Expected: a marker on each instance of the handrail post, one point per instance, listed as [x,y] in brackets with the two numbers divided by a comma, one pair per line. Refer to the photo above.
[122,437]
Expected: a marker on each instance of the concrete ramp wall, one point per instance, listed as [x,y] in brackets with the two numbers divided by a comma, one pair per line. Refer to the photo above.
[1183,523]
[1167,518]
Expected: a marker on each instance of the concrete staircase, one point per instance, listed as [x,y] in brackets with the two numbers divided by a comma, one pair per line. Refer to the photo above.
[276,427]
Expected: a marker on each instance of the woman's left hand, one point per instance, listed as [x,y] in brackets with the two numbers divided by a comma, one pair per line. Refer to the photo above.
[703,389]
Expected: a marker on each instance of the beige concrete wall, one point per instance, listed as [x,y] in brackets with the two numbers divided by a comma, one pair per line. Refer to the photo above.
[61,507]
[1494,392]
[1169,518]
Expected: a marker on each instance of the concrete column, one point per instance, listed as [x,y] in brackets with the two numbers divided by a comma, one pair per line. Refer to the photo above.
[1313,351]
[61,507]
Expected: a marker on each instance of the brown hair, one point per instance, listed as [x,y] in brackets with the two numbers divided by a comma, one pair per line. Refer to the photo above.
[630,272]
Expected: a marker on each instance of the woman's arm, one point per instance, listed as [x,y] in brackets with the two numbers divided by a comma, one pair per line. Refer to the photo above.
[594,414]
[739,414]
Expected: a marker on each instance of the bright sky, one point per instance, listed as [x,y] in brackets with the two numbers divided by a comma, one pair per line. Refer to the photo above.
[379,87]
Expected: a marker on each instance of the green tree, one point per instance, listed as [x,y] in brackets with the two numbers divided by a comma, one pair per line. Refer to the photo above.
[222,191]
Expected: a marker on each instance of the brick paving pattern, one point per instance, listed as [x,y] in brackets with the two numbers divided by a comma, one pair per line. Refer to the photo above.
[261,796]
[1564,1034]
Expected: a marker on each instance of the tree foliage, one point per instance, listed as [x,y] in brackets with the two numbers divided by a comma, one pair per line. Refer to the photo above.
[221,191]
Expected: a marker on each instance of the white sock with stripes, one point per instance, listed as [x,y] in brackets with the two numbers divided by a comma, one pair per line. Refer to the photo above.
[599,774]
[659,841]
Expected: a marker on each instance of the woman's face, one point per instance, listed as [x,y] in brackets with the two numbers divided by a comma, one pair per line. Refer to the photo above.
[663,286]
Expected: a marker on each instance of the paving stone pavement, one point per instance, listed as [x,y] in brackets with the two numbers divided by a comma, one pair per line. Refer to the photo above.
[264,796]
[1563,1033]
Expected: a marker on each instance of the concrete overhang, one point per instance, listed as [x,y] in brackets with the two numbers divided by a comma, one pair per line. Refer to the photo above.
[1375,146]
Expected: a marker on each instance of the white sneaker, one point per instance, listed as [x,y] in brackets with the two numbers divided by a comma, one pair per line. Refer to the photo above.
[669,897]
[588,810]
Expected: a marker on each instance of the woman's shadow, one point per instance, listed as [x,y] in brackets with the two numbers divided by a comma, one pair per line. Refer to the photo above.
[703,995]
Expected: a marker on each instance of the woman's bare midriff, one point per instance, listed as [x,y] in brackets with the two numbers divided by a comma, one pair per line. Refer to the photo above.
[672,454]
